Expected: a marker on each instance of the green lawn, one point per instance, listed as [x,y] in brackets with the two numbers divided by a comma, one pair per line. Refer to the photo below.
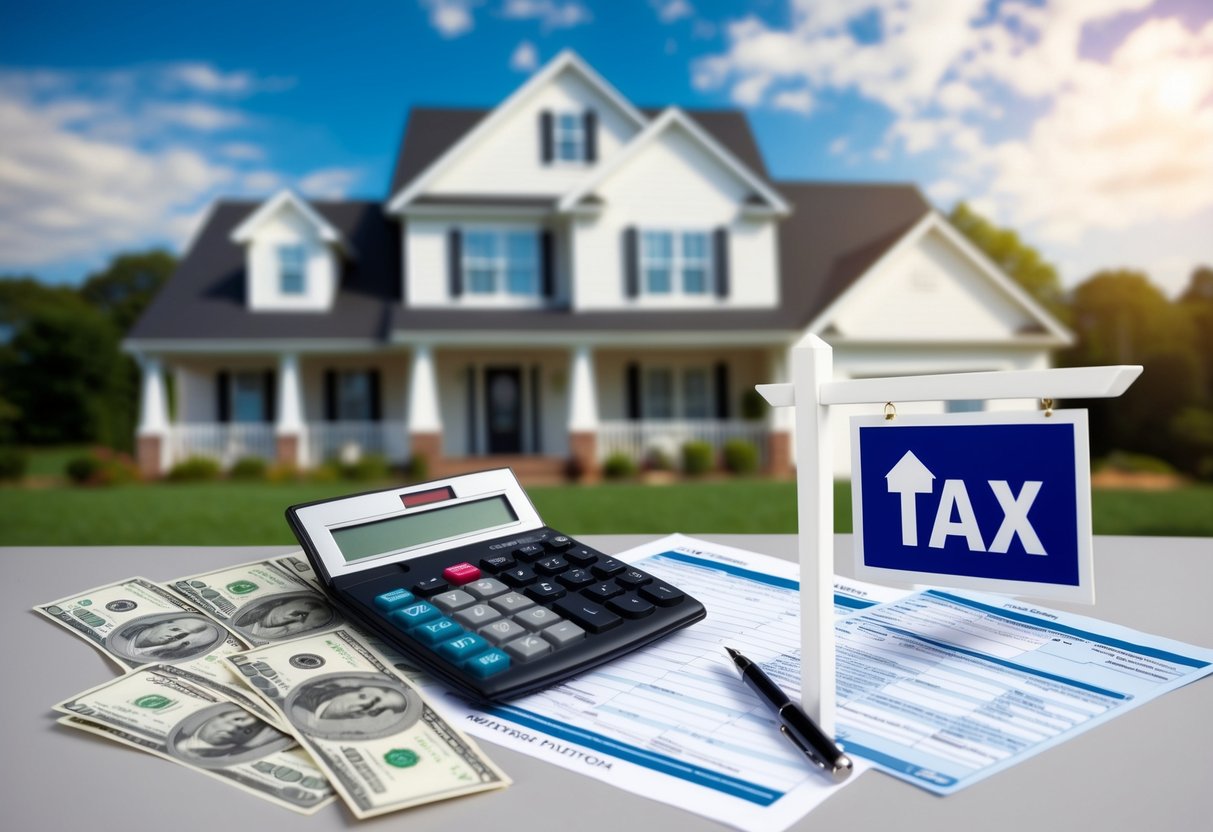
[231,514]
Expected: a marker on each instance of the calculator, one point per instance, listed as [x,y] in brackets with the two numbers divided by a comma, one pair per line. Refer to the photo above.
[464,578]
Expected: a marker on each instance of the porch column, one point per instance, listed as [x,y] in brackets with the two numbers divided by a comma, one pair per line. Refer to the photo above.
[288,427]
[583,413]
[151,437]
[780,422]
[425,423]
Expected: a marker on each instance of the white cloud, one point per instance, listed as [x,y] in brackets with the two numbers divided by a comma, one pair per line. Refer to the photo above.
[451,18]
[329,183]
[243,151]
[797,101]
[671,11]
[550,13]
[194,116]
[525,57]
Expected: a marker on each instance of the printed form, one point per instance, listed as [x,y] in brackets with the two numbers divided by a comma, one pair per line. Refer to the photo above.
[939,688]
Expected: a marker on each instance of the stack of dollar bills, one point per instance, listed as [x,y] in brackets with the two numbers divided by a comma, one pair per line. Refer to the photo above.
[249,675]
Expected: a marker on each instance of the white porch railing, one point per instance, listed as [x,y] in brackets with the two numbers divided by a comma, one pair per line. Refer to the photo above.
[223,442]
[349,441]
[638,439]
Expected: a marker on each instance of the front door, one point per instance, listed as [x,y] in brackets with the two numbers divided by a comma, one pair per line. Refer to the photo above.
[503,398]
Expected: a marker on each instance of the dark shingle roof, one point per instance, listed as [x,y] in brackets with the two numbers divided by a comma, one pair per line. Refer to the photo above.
[431,131]
[205,298]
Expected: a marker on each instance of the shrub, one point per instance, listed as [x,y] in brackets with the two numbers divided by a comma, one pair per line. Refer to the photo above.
[194,469]
[418,468]
[101,466]
[753,406]
[283,472]
[619,466]
[657,459]
[574,469]
[368,467]
[740,456]
[13,463]
[697,458]
[1136,463]
[249,468]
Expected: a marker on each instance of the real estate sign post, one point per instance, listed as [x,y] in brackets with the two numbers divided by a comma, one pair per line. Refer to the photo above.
[1010,477]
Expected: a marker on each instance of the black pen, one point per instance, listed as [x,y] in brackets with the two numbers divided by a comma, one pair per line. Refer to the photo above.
[794,722]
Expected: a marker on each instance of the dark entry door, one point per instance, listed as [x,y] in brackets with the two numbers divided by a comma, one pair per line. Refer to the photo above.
[503,398]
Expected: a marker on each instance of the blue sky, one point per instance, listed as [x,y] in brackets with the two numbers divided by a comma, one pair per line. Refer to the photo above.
[1087,125]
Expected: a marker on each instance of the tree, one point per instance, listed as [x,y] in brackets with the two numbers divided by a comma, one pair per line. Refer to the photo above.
[127,285]
[1197,302]
[1019,260]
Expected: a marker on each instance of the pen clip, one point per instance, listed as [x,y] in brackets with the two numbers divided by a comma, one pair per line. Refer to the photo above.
[808,751]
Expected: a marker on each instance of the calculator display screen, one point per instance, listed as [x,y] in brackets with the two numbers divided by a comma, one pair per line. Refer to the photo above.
[407,531]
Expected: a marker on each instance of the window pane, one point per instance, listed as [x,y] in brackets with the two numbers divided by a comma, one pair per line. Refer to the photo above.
[570,138]
[291,261]
[694,280]
[657,281]
[659,395]
[248,397]
[481,280]
[522,258]
[480,245]
[657,254]
[694,262]
[695,394]
[695,245]
[658,245]
[354,396]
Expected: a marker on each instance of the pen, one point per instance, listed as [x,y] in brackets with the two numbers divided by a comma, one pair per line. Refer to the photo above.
[794,723]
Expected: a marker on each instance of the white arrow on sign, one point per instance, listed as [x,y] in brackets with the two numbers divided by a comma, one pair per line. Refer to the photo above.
[908,478]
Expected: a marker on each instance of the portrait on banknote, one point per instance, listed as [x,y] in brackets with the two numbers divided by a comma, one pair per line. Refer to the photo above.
[283,616]
[167,637]
[223,735]
[353,706]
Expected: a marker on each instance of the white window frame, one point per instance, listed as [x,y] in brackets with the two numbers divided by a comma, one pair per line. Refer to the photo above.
[499,265]
[289,271]
[568,133]
[678,263]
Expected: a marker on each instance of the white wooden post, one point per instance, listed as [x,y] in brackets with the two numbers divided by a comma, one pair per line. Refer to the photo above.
[423,392]
[813,390]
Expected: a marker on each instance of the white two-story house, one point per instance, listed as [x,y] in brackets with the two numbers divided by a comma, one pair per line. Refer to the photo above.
[564,276]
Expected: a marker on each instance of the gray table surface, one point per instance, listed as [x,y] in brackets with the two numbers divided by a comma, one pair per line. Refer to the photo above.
[1151,769]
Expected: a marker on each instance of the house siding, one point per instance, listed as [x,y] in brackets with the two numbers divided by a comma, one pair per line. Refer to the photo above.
[289,227]
[674,184]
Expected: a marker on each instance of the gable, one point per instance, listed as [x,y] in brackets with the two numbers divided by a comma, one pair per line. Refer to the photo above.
[929,289]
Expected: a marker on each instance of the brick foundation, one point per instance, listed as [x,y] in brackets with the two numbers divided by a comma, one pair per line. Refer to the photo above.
[286,449]
[779,453]
[583,453]
[148,451]
[429,447]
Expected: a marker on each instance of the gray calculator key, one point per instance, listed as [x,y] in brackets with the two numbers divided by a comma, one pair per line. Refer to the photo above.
[527,648]
[474,617]
[486,587]
[499,632]
[456,599]
[512,602]
[538,618]
[566,632]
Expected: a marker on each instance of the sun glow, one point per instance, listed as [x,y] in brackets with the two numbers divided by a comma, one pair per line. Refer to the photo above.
[1177,91]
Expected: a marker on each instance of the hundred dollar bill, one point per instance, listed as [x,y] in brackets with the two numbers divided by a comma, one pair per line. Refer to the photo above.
[136,622]
[381,745]
[299,566]
[157,710]
[261,602]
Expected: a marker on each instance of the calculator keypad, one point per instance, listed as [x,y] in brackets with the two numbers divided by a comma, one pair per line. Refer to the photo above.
[497,610]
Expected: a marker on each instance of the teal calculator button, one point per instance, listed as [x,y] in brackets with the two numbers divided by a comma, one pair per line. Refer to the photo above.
[419,612]
[461,648]
[440,629]
[487,664]
[394,600]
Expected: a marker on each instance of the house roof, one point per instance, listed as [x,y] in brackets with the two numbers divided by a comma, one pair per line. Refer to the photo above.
[431,131]
[835,232]
[205,299]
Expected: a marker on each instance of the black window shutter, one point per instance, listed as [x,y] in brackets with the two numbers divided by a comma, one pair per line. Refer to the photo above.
[372,382]
[547,138]
[330,395]
[547,263]
[271,396]
[631,262]
[590,127]
[471,406]
[722,390]
[223,396]
[721,240]
[633,391]
[454,255]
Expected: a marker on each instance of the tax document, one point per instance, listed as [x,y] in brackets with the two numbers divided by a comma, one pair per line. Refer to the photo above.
[673,721]
[945,688]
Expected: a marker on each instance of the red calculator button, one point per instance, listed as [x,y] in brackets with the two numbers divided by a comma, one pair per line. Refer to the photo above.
[461,573]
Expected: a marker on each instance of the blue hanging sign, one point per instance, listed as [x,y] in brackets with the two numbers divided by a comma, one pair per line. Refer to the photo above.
[999,502]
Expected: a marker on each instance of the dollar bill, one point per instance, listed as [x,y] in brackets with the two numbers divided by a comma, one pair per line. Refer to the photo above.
[262,602]
[382,746]
[159,711]
[299,566]
[137,622]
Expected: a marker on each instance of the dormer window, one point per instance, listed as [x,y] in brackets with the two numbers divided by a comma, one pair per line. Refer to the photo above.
[568,137]
[292,277]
